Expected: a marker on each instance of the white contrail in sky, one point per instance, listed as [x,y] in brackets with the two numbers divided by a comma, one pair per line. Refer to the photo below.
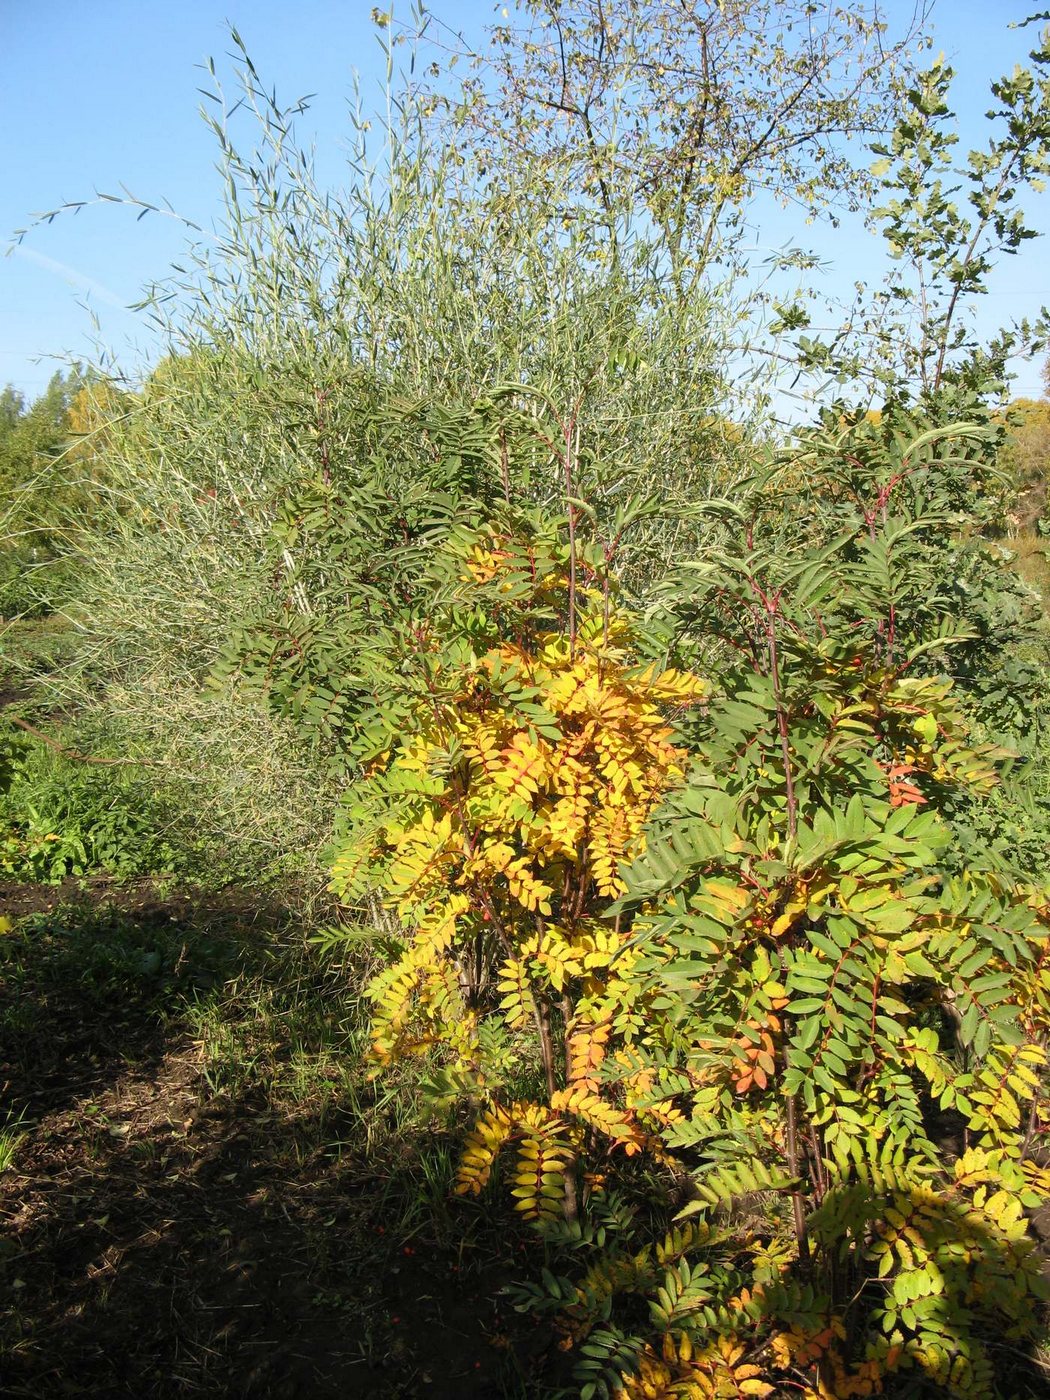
[69,274]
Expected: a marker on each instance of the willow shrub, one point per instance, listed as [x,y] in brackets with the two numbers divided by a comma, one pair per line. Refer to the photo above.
[761,1063]
[331,401]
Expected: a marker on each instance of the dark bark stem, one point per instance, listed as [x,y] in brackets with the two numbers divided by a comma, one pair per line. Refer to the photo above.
[791,1146]
[782,725]
[543,1027]
[572,1194]
[567,463]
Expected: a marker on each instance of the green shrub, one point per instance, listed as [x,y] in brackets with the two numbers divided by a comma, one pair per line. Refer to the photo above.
[717,1054]
[62,818]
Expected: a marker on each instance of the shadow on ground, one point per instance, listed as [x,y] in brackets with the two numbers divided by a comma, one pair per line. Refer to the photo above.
[91,972]
[163,1238]
[185,1217]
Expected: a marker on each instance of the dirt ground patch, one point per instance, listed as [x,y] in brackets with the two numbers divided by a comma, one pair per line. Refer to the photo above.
[160,1245]
[163,1239]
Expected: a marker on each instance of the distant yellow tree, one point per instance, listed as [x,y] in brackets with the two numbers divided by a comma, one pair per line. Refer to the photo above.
[93,410]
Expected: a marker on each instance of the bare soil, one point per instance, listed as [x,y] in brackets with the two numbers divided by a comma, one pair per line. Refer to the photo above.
[160,1239]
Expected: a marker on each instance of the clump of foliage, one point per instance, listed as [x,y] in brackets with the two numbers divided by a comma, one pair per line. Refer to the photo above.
[1027,457]
[43,485]
[350,547]
[269,496]
[946,221]
[60,816]
[777,984]
[539,747]
[682,114]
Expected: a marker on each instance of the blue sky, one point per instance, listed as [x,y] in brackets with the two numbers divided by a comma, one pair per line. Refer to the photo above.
[95,97]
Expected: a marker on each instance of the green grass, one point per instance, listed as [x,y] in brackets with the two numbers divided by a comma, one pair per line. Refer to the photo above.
[295,1036]
[1031,559]
[11,1138]
[65,817]
[33,648]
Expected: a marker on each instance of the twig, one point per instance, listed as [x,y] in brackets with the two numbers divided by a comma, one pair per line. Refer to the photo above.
[81,757]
